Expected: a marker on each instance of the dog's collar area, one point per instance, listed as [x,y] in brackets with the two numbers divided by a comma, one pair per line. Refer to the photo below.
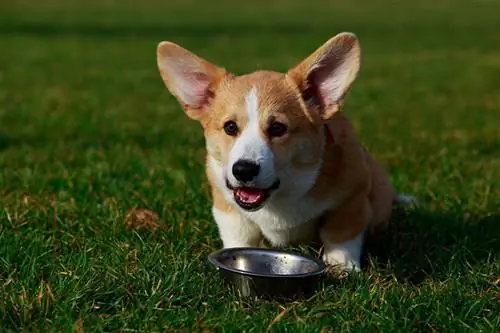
[328,135]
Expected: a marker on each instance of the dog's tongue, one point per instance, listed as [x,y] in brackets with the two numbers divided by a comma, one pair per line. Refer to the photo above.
[249,195]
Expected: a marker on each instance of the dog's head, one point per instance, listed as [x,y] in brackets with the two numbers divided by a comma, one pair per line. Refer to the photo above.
[264,131]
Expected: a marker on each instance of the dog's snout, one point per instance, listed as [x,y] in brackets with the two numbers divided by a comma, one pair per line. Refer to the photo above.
[245,171]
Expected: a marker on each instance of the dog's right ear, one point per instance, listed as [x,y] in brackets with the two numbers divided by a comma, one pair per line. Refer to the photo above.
[191,79]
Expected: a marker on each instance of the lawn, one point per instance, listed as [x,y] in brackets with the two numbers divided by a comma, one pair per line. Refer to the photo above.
[88,132]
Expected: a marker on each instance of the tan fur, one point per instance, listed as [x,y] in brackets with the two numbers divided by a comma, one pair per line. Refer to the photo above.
[356,185]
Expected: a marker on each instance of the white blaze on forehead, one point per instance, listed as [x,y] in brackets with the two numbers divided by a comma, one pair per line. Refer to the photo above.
[250,145]
[252,106]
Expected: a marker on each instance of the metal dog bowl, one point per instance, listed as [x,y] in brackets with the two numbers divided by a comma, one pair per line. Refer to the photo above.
[268,273]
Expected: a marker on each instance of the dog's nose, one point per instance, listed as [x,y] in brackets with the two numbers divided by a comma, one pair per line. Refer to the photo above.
[245,171]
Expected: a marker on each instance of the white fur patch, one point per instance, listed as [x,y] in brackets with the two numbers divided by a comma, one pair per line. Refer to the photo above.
[252,106]
[252,147]
[288,219]
[347,255]
[405,199]
[235,230]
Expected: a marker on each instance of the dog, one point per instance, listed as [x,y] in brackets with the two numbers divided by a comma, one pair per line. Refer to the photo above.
[283,161]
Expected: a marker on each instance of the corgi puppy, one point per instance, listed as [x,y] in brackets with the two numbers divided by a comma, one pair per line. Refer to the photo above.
[283,161]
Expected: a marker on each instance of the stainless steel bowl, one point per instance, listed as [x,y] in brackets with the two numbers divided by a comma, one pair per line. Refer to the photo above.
[268,273]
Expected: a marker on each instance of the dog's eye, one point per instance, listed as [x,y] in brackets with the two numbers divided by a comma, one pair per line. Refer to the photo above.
[230,128]
[276,129]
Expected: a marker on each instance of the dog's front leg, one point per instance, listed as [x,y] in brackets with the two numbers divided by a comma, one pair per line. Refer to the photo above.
[235,230]
[343,234]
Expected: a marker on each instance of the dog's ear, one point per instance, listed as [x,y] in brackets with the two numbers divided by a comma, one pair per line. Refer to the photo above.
[191,79]
[325,76]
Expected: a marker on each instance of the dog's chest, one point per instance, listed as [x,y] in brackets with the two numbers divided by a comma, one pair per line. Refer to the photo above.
[284,225]
[304,233]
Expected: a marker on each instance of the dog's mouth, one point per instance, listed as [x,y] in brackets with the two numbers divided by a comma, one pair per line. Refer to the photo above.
[251,198]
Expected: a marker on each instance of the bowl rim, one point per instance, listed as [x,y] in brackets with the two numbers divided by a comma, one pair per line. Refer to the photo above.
[213,259]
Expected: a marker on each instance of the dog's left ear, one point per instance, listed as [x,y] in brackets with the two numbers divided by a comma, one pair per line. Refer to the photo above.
[325,77]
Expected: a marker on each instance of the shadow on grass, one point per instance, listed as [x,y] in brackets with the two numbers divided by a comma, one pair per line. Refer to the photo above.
[421,244]
[5,141]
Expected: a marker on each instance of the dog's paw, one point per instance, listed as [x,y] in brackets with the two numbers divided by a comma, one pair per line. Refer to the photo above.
[341,261]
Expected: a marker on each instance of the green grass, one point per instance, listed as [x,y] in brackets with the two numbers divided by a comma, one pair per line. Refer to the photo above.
[88,131]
